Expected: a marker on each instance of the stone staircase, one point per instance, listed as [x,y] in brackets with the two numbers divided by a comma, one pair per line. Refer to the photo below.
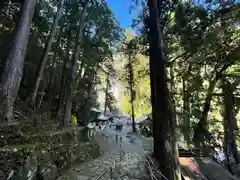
[117,162]
[109,166]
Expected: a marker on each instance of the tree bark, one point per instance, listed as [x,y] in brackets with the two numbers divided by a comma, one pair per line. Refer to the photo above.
[44,57]
[71,83]
[106,95]
[160,105]
[132,93]
[87,107]
[90,88]
[173,122]
[186,110]
[63,79]
[42,95]
[186,105]
[79,76]
[12,73]
[230,124]
[201,131]
[51,88]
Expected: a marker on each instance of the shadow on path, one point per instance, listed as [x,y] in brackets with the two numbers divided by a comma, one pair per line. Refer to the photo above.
[125,158]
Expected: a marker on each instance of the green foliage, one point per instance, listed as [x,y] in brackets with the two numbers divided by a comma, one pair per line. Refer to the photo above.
[101,36]
[141,81]
[125,104]
[201,45]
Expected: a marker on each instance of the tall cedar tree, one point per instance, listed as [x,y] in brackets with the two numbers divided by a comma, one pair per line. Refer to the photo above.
[71,82]
[44,57]
[13,70]
[160,106]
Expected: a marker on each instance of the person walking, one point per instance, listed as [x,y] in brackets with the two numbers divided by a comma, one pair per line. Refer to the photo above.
[121,140]
[116,138]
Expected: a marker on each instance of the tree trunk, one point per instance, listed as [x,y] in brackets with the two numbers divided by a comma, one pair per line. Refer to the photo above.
[201,132]
[42,95]
[63,79]
[106,95]
[160,105]
[208,100]
[186,105]
[186,110]
[173,122]
[173,104]
[90,88]
[44,57]
[230,124]
[87,107]
[51,88]
[132,93]
[71,83]
[12,73]
[79,76]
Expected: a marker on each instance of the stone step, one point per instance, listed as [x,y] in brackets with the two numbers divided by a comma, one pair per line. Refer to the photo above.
[131,166]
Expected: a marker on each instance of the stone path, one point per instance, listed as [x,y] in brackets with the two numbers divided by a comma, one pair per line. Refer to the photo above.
[117,162]
[127,167]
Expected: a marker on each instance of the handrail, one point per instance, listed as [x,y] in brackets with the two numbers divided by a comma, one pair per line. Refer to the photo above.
[150,171]
[110,169]
[150,163]
[101,175]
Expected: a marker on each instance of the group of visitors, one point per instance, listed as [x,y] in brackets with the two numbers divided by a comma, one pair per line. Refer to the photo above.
[119,140]
[119,127]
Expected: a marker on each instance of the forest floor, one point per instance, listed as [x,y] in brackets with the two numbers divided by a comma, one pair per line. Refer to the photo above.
[119,160]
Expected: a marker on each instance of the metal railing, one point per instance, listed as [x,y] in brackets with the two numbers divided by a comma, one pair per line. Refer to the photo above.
[105,172]
[152,168]
[110,170]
